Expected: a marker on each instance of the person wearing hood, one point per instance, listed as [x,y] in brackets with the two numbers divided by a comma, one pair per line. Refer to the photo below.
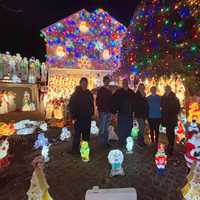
[81,107]
[170,107]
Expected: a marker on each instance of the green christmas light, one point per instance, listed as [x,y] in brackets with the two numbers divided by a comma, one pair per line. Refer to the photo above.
[189,66]
[167,9]
[180,24]
[193,48]
[166,22]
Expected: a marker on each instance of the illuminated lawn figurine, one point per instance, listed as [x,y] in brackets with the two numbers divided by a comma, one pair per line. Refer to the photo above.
[39,187]
[193,126]
[116,158]
[65,134]
[94,130]
[191,190]
[112,136]
[4,157]
[45,153]
[129,144]
[85,151]
[180,133]
[161,159]
[135,129]
[41,141]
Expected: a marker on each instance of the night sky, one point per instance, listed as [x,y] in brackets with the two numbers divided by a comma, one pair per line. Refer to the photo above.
[22,20]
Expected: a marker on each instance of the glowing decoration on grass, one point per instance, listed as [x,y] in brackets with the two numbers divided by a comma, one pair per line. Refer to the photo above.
[65,134]
[161,159]
[41,141]
[116,158]
[193,127]
[85,151]
[135,129]
[6,129]
[84,27]
[94,130]
[129,145]
[191,190]
[180,133]
[112,136]
[45,153]
[85,34]
[172,36]
[38,189]
[60,51]
[4,157]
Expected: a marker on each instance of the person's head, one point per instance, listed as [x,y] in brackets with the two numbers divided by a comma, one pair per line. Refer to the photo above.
[153,90]
[168,90]
[141,88]
[125,84]
[83,83]
[106,80]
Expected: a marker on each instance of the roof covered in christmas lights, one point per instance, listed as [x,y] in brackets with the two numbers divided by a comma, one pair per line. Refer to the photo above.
[85,40]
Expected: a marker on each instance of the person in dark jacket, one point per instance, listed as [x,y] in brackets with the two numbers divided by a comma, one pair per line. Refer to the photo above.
[104,105]
[154,114]
[141,112]
[81,106]
[170,108]
[123,106]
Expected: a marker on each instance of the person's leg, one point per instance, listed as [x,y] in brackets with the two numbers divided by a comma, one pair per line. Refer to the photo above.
[103,127]
[151,127]
[171,137]
[141,123]
[77,136]
[121,128]
[86,129]
[157,125]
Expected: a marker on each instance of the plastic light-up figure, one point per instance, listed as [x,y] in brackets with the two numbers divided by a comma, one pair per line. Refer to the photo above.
[193,126]
[94,130]
[41,141]
[116,158]
[85,151]
[135,129]
[129,145]
[180,133]
[45,153]
[4,157]
[65,134]
[161,159]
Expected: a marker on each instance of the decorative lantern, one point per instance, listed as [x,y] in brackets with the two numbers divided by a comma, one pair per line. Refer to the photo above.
[129,144]
[161,159]
[116,158]
[85,151]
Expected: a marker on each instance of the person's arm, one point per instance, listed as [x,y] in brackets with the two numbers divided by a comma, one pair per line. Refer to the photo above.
[92,104]
[115,102]
[72,106]
[98,98]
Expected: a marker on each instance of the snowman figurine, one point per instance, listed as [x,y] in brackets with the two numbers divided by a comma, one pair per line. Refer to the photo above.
[65,134]
[116,158]
[129,145]
[94,130]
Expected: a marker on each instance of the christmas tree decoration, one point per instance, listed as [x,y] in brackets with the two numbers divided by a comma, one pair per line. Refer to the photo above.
[116,158]
[161,159]
[180,133]
[85,40]
[163,39]
[94,130]
[135,129]
[191,190]
[39,187]
[41,141]
[65,134]
[85,151]
[4,156]
[27,104]
[129,145]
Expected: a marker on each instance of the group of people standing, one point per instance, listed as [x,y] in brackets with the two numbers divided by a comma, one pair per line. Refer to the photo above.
[126,105]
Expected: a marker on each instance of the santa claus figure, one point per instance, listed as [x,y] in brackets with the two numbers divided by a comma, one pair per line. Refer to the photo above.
[180,133]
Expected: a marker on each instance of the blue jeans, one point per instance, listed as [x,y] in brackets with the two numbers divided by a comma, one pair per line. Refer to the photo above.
[141,123]
[125,125]
[104,122]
